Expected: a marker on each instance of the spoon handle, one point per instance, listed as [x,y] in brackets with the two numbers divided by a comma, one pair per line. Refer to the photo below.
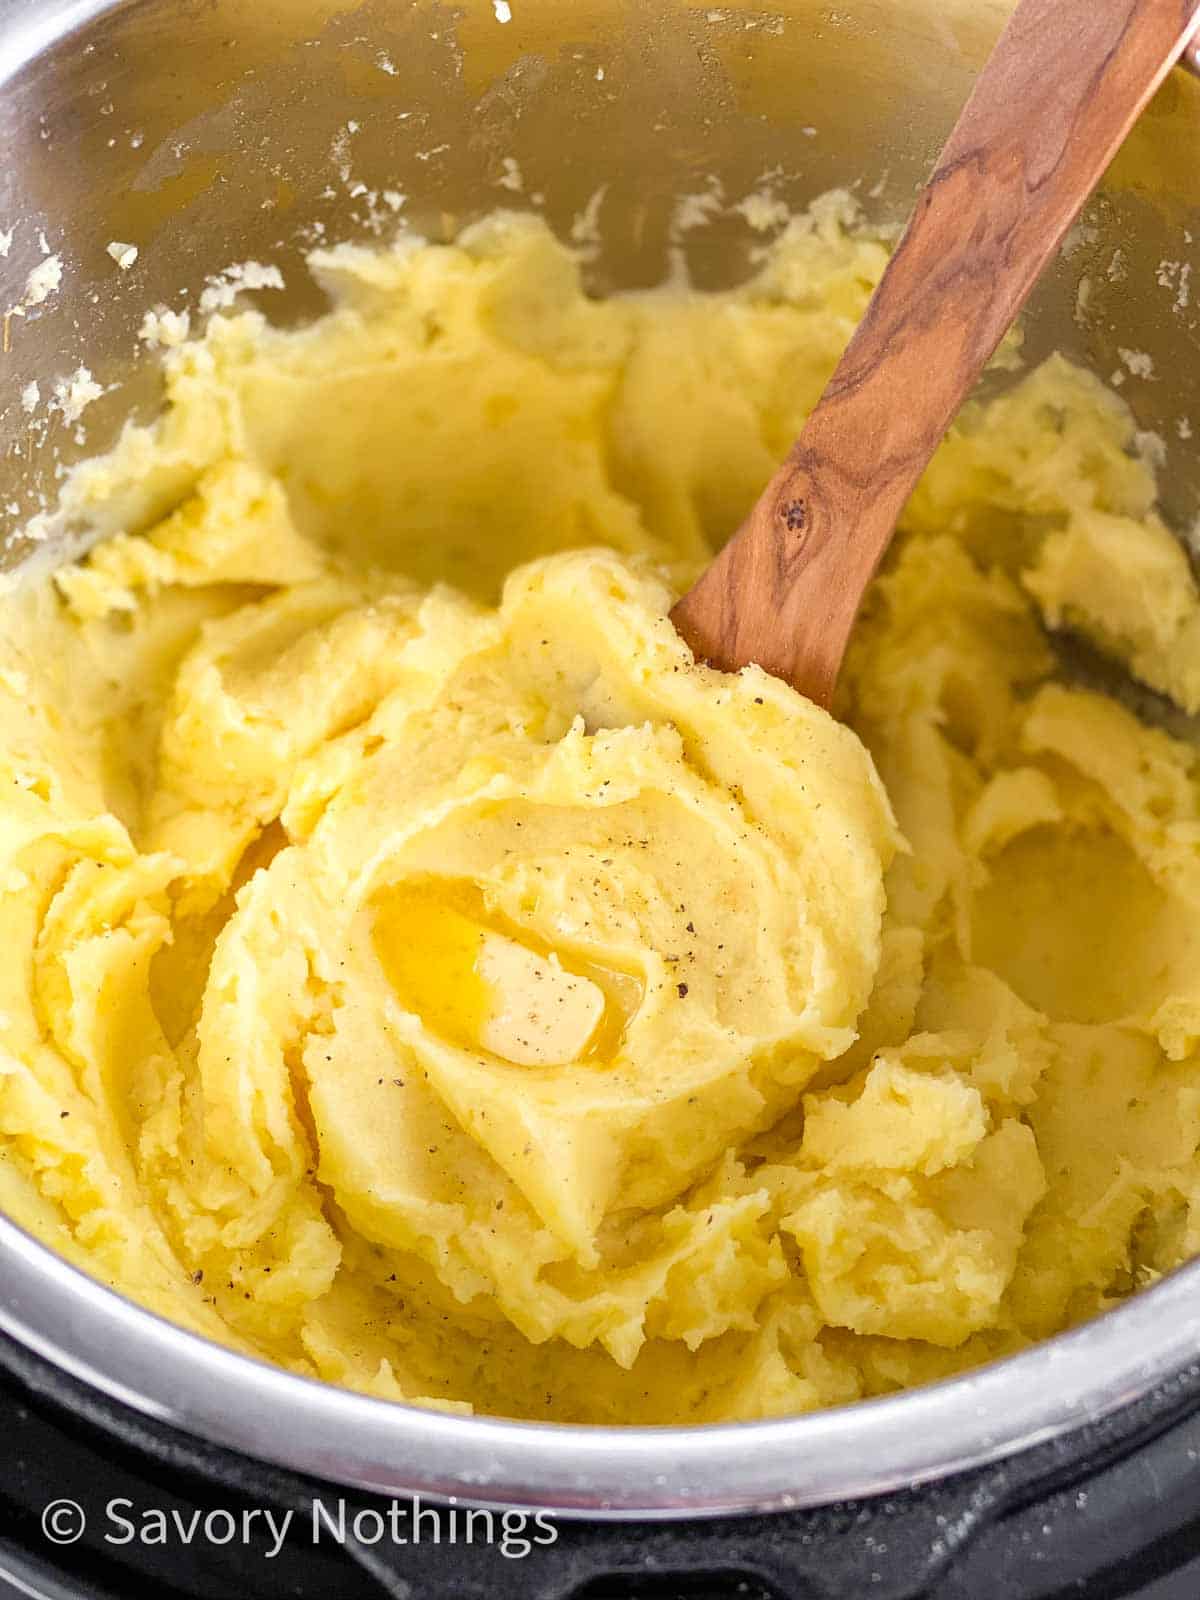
[1050,109]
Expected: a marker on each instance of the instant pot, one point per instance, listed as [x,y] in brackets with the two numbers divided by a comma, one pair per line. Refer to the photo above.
[209,133]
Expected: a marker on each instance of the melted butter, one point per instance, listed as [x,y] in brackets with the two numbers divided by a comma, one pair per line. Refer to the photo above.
[482,984]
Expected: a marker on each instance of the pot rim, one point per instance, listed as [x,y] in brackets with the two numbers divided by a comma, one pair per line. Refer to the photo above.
[874,1447]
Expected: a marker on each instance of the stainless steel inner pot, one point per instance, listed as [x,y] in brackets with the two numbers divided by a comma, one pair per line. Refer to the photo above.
[206,132]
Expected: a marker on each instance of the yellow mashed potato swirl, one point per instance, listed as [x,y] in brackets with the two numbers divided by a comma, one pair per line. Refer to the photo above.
[422,974]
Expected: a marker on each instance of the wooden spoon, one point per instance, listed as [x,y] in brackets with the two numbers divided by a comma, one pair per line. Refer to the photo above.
[1061,90]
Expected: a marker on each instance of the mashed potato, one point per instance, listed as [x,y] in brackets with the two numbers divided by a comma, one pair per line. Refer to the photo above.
[424,975]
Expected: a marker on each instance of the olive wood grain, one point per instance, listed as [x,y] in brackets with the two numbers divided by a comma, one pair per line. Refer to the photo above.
[1064,85]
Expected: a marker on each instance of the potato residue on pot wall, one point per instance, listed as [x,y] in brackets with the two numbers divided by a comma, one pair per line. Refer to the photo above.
[420,973]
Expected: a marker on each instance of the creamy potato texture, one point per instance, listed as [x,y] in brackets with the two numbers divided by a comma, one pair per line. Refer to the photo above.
[421,973]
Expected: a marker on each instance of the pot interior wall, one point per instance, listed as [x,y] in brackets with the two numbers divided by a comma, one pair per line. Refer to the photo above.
[208,132]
